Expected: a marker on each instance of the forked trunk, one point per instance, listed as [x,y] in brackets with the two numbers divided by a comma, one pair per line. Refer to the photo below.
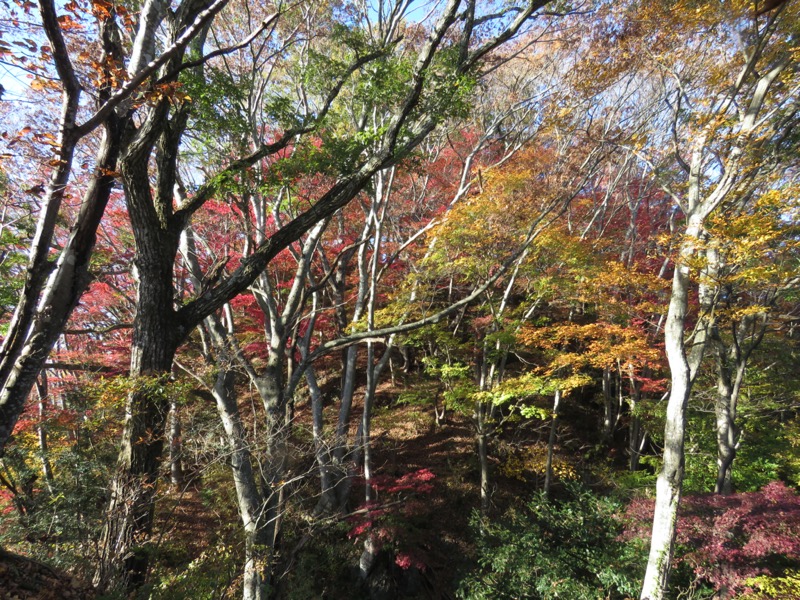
[728,432]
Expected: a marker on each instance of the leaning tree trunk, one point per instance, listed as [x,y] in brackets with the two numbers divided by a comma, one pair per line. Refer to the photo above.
[30,339]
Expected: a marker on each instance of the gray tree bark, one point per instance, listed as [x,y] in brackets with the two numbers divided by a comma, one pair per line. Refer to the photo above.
[698,204]
[731,367]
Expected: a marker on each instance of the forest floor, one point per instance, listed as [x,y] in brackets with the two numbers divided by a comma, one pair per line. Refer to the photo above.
[427,482]
[432,525]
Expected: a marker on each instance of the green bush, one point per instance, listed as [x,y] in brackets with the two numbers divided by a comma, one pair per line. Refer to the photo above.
[554,549]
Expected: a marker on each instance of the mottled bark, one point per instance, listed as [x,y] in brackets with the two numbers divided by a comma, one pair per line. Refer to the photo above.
[36,327]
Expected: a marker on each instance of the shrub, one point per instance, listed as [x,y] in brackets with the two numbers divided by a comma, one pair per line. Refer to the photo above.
[397,528]
[724,541]
[563,549]
[766,587]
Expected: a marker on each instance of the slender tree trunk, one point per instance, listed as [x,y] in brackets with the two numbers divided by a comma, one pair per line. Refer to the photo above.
[322,452]
[366,421]
[340,457]
[634,443]
[249,498]
[636,437]
[728,389]
[731,368]
[482,435]
[175,446]
[551,442]
[609,404]
[682,370]
[373,376]
[41,430]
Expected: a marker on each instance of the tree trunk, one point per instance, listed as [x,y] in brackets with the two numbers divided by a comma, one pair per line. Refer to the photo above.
[340,467]
[322,452]
[635,443]
[30,338]
[636,438]
[366,421]
[551,442]
[373,376]
[270,388]
[682,370]
[41,430]
[728,433]
[482,432]
[731,367]
[248,496]
[156,335]
[175,447]
[124,552]
[609,406]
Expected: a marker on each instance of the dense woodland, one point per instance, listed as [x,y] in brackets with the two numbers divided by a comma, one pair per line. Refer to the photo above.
[400,299]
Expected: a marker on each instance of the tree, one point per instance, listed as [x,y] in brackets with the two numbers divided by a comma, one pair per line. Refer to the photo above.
[521,200]
[50,292]
[727,128]
[755,249]
[453,50]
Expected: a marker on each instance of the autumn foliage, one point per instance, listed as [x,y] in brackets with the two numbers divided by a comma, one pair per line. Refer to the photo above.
[726,541]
